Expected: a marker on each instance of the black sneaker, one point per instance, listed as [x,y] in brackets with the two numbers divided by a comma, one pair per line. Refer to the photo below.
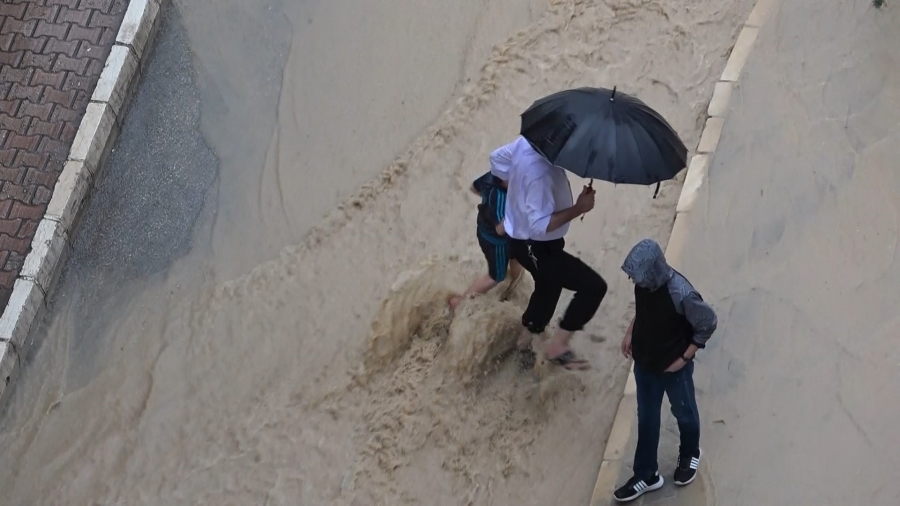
[637,487]
[686,471]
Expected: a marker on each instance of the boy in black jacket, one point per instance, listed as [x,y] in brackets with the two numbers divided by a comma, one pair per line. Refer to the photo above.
[671,323]
[491,237]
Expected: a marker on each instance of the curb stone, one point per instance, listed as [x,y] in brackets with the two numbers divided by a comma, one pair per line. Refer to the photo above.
[614,458]
[93,141]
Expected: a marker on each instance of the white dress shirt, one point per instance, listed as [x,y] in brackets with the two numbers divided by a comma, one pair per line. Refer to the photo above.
[536,190]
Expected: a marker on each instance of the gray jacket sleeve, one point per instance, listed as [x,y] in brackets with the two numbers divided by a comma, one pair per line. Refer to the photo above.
[701,316]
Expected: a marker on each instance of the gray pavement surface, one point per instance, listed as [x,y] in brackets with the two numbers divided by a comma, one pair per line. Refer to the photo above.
[157,178]
[143,210]
[795,244]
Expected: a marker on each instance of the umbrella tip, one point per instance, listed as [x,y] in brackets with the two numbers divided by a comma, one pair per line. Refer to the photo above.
[613,96]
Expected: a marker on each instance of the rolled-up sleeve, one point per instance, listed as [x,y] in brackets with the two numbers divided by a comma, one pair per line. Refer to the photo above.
[702,318]
[501,161]
[539,205]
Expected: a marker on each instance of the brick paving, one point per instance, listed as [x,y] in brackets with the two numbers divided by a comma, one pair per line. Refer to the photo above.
[51,56]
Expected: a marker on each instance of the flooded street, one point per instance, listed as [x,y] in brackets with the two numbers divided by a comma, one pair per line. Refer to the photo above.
[253,311]
[305,103]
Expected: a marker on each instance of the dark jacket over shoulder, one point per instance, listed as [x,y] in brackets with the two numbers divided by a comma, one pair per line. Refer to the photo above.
[492,208]
[670,314]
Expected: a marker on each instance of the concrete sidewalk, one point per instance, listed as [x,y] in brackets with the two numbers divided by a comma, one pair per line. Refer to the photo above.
[794,241]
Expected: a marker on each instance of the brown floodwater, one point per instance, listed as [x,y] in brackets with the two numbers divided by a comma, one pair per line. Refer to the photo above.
[296,348]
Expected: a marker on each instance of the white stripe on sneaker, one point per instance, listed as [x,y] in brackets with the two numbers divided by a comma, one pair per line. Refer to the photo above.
[637,489]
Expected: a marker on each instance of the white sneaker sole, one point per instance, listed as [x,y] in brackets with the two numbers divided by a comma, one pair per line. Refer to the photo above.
[656,486]
[683,483]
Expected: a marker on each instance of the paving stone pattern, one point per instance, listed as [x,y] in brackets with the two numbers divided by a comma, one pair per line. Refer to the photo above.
[51,56]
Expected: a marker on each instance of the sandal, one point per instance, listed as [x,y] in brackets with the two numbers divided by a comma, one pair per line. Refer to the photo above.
[570,362]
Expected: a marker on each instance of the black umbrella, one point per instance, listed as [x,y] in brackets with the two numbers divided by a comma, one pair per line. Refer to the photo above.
[600,134]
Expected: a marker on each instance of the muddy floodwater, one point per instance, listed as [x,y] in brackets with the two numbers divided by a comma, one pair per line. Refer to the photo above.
[254,310]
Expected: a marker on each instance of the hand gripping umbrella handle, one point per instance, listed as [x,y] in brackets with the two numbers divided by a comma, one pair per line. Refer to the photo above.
[590,185]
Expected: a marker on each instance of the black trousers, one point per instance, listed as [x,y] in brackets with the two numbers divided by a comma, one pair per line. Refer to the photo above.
[554,269]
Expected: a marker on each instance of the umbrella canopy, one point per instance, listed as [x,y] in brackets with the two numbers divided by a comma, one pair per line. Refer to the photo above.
[600,134]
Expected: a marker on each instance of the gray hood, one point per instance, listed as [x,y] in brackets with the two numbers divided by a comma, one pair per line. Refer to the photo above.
[646,265]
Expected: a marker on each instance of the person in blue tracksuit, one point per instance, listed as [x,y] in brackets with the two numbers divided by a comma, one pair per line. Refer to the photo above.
[491,237]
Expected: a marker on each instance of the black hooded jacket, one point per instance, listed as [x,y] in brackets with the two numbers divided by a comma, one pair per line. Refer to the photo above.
[669,313]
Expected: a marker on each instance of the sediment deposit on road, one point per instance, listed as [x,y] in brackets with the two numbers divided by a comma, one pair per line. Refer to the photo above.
[330,372]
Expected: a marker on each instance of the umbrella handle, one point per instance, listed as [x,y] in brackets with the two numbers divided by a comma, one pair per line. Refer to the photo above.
[590,185]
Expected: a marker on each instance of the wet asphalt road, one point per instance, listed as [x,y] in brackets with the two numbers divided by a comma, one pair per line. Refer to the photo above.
[142,213]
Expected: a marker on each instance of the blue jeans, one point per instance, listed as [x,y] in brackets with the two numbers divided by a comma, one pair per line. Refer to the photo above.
[679,387]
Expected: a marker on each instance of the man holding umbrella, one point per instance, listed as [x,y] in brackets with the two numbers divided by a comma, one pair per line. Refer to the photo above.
[539,208]
[596,134]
